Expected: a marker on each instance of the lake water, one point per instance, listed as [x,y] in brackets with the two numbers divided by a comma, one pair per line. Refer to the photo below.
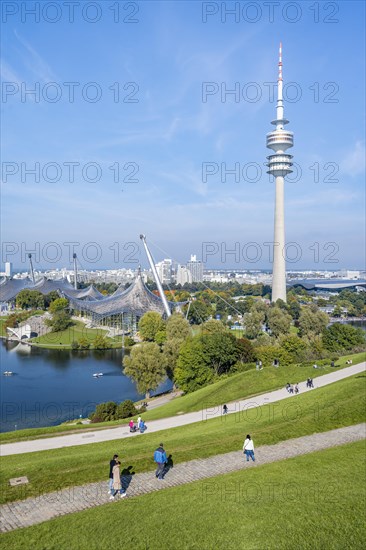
[52,386]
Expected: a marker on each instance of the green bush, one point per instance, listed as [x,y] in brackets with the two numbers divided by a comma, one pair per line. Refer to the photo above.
[105,412]
[75,345]
[84,343]
[126,409]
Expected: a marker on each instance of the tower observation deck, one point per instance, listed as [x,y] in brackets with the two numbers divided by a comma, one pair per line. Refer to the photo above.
[279,165]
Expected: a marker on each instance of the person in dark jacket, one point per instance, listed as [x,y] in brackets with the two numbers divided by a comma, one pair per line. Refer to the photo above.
[112,463]
[160,459]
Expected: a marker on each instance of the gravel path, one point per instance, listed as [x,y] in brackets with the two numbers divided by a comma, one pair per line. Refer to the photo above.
[74,499]
[175,421]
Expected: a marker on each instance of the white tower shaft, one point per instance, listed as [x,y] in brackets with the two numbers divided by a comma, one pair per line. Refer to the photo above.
[279,263]
[279,165]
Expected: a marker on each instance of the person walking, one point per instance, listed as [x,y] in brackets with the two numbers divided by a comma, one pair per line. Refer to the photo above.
[160,459]
[117,485]
[297,387]
[112,463]
[138,422]
[142,426]
[248,448]
[224,409]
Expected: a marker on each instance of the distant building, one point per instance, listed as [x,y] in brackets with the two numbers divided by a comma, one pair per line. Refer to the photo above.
[196,268]
[8,269]
[164,270]
[183,275]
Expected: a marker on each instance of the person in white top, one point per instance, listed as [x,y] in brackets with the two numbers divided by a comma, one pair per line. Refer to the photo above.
[248,448]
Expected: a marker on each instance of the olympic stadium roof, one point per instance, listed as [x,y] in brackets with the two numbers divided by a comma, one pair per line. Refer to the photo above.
[137,299]
[10,288]
[89,293]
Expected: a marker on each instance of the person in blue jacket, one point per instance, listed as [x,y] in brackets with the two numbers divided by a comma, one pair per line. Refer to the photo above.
[160,459]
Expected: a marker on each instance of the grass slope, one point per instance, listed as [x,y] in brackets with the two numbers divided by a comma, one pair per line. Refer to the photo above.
[308,502]
[232,388]
[339,404]
[64,338]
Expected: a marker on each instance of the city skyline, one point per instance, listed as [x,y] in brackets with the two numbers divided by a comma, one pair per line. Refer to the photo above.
[183,134]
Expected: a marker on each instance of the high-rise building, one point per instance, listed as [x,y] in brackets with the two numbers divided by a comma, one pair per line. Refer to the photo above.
[183,275]
[196,268]
[164,269]
[8,269]
[279,165]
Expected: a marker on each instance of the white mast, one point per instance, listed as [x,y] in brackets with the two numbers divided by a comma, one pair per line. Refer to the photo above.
[75,272]
[156,276]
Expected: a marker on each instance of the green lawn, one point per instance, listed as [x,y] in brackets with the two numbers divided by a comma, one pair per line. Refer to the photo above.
[237,386]
[339,404]
[309,502]
[78,330]
[2,326]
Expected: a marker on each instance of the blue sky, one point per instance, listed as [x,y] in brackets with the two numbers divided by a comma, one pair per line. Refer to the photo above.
[169,132]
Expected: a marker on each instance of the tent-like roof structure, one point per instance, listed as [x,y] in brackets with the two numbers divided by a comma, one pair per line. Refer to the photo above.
[10,288]
[89,293]
[137,299]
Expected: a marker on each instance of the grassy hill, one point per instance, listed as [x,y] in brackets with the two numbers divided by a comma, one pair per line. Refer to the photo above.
[339,404]
[306,502]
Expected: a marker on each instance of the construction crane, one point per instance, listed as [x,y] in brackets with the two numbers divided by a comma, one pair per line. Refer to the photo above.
[156,276]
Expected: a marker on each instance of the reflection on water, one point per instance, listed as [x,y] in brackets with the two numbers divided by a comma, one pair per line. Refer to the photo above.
[52,386]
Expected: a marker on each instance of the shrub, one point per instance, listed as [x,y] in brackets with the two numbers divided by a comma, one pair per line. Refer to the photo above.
[75,345]
[126,409]
[84,343]
[106,411]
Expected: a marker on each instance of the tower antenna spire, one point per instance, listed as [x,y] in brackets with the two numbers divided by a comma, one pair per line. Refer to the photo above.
[280,62]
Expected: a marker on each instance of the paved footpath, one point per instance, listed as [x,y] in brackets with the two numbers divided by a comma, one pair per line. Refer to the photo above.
[175,421]
[74,499]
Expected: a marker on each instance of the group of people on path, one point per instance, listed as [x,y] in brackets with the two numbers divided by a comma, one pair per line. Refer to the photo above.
[163,464]
[292,388]
[115,486]
[139,425]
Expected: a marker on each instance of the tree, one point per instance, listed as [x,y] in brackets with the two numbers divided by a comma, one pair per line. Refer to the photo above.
[312,322]
[30,299]
[340,337]
[58,305]
[126,409]
[104,412]
[61,320]
[214,326]
[278,321]
[100,342]
[145,366]
[177,327]
[84,343]
[199,312]
[171,351]
[192,370]
[245,350]
[221,351]
[253,324]
[293,345]
[150,324]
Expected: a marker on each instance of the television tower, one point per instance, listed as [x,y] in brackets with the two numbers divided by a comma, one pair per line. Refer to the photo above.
[279,165]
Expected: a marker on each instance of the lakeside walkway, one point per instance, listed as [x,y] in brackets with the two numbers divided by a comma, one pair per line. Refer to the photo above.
[122,432]
[47,506]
